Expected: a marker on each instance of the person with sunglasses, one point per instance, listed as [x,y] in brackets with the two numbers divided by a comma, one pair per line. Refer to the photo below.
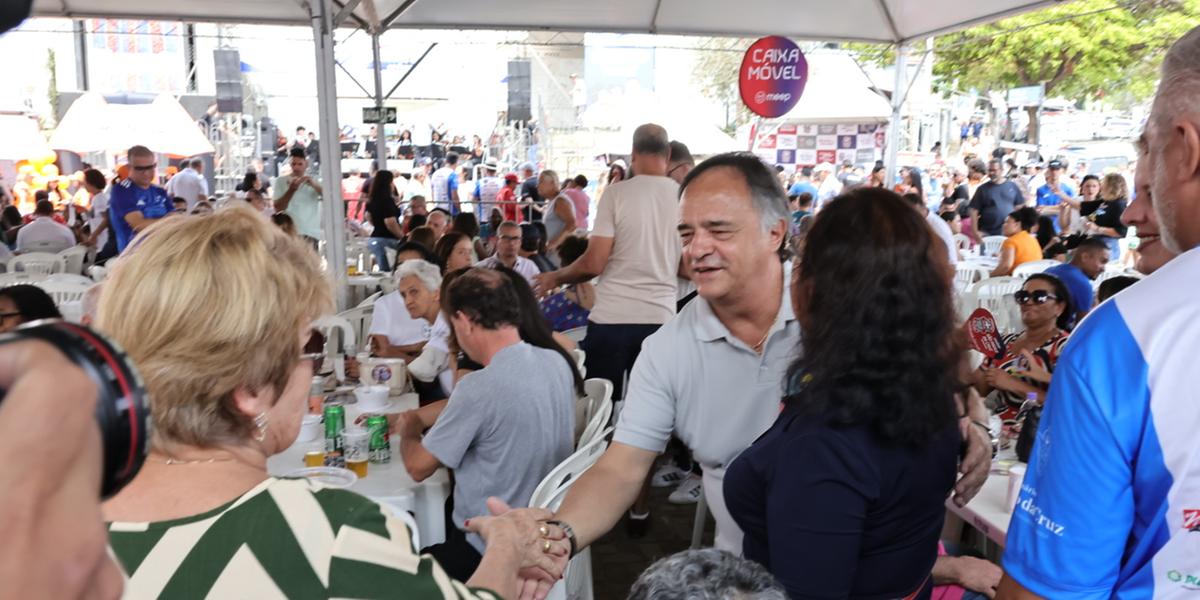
[1048,314]
[136,202]
[229,382]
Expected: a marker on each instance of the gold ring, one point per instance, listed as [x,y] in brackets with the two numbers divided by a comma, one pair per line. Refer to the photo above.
[546,546]
[544,530]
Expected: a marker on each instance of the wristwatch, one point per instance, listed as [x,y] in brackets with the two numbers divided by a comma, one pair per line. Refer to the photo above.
[570,533]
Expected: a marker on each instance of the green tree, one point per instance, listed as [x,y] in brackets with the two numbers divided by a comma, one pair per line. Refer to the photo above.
[1084,50]
[716,72]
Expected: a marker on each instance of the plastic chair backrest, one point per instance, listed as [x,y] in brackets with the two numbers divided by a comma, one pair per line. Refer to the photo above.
[1030,268]
[7,279]
[598,408]
[579,355]
[991,245]
[996,295]
[966,275]
[360,320]
[70,278]
[37,262]
[73,259]
[553,488]
[576,334]
[63,292]
[47,246]
[962,242]
[1106,275]
[330,322]
[370,300]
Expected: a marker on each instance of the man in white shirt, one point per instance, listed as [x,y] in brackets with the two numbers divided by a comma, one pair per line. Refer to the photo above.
[189,183]
[43,234]
[508,247]
[828,186]
[635,251]
[713,376]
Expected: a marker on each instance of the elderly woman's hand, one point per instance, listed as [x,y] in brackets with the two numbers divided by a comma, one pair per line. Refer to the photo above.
[524,533]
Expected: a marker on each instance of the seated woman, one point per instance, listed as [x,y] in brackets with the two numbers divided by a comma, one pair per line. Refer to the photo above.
[454,250]
[395,333]
[230,383]
[1020,247]
[844,496]
[420,284]
[569,308]
[20,304]
[1030,355]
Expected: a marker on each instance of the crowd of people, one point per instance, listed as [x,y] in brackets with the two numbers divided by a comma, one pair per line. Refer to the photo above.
[798,340]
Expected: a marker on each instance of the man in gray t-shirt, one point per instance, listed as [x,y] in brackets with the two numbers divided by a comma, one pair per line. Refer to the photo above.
[505,427]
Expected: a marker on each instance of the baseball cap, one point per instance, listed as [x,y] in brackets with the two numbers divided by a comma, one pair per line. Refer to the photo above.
[511,178]
[1055,164]
[527,167]
[491,166]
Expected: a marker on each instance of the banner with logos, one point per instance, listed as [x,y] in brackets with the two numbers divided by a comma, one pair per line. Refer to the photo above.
[793,145]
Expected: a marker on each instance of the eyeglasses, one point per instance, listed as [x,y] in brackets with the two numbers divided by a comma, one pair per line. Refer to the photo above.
[149,167]
[510,238]
[9,314]
[1037,297]
[314,350]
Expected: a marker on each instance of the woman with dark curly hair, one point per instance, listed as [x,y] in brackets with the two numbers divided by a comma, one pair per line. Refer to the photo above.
[844,495]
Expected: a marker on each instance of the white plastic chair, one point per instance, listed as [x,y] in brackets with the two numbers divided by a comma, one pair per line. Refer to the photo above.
[579,355]
[1106,275]
[1033,267]
[70,278]
[73,259]
[47,246]
[967,275]
[991,245]
[963,243]
[37,262]
[598,409]
[576,334]
[7,279]
[348,336]
[360,319]
[67,296]
[549,494]
[996,295]
[370,300]
[97,272]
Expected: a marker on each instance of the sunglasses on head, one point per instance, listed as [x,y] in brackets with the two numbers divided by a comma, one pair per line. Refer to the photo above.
[1037,297]
[314,350]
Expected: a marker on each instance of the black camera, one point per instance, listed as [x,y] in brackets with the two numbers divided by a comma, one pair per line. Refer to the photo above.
[122,407]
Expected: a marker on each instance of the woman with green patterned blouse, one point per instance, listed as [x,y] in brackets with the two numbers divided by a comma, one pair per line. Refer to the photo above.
[215,310]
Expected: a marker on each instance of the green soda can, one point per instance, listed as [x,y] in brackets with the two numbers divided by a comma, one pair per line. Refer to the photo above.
[381,441]
[335,423]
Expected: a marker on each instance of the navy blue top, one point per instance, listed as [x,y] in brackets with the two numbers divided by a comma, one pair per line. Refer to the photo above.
[1077,283]
[837,513]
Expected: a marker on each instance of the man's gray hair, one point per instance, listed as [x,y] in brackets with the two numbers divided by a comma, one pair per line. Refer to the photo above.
[196,163]
[1180,86]
[707,574]
[765,190]
[552,175]
[651,139]
[428,273]
[680,155]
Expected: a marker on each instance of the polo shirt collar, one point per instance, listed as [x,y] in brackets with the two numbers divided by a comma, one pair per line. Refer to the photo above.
[709,328]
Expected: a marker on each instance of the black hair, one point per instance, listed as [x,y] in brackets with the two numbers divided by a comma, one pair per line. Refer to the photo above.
[1090,243]
[32,302]
[1114,285]
[915,179]
[532,238]
[804,199]
[43,207]
[1087,178]
[534,328]
[949,216]
[914,199]
[10,217]
[571,248]
[680,153]
[1045,230]
[42,196]
[296,152]
[1025,216]
[581,180]
[415,221]
[438,209]
[451,158]
[1066,320]
[95,179]
[895,370]
[381,189]
[466,224]
[426,254]
[806,171]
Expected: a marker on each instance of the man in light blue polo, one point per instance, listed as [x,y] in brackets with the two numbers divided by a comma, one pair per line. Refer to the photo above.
[714,374]
[299,195]
[1110,504]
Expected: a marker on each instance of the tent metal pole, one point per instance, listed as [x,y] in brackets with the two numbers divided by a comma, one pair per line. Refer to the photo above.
[893,132]
[332,208]
[381,127]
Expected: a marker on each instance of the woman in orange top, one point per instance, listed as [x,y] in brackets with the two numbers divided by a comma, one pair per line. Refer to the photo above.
[1021,246]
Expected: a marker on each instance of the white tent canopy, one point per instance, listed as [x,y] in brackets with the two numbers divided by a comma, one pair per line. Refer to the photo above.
[887,21]
[21,140]
[93,125]
[838,92]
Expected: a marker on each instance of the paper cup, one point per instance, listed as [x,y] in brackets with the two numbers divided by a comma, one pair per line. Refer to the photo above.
[371,397]
[310,428]
[1016,476]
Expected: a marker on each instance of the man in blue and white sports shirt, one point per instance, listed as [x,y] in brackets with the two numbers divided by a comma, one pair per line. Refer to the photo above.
[135,203]
[1110,506]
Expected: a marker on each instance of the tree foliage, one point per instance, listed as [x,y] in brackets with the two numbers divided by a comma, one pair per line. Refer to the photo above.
[716,72]
[1086,49]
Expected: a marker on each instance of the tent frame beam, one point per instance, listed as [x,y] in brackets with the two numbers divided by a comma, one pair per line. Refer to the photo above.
[387,21]
[333,210]
[346,10]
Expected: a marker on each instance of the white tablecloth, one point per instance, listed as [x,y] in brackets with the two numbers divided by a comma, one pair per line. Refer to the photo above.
[988,511]
[390,485]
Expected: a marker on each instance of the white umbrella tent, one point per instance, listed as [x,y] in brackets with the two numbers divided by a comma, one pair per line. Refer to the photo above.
[898,22]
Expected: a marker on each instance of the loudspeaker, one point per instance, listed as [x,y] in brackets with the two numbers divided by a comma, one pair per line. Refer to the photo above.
[519,91]
[228,68]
